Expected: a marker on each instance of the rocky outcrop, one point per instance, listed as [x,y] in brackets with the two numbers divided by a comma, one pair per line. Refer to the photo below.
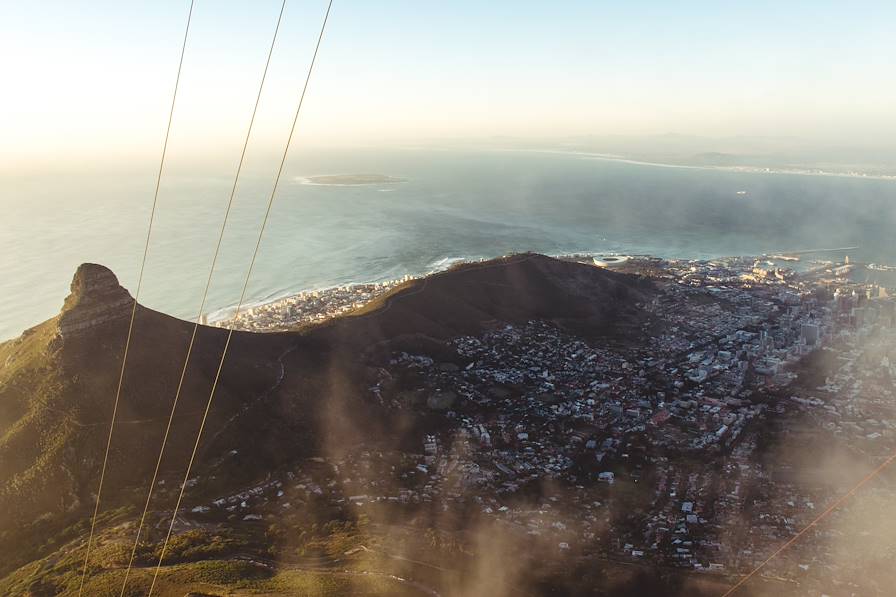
[96,298]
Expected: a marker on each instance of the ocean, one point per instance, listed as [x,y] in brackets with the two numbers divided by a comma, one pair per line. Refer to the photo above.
[453,204]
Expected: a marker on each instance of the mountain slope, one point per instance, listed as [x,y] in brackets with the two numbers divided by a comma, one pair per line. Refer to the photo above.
[282,396]
[57,385]
[514,289]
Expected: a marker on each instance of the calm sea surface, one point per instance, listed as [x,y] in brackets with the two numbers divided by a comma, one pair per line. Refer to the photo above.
[454,204]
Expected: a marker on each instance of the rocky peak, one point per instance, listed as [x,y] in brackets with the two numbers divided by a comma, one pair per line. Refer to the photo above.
[96,297]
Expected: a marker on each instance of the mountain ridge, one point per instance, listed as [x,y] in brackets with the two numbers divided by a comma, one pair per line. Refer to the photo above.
[282,396]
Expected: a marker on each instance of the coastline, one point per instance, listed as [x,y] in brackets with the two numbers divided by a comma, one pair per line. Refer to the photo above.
[218,316]
[344,296]
[606,157]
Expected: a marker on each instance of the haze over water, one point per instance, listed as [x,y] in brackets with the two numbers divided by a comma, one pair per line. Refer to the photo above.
[454,204]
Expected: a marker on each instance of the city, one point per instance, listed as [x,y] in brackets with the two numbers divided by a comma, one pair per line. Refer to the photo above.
[654,452]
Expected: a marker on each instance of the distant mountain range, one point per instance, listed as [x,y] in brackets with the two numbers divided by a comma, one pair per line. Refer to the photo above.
[747,153]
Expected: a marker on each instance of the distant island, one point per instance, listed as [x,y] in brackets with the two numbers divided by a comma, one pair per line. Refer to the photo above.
[352,179]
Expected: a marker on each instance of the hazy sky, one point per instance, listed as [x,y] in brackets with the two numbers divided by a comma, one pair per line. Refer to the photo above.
[92,80]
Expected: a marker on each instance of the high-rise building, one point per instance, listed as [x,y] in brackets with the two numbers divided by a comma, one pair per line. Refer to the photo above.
[810,334]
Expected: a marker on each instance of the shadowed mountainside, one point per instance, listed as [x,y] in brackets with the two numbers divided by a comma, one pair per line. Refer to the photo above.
[514,289]
[282,396]
[58,383]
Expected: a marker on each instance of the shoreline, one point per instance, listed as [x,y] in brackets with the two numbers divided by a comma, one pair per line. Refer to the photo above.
[606,157]
[224,313]
[281,300]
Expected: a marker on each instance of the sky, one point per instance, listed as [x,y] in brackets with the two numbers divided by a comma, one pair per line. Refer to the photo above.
[91,82]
